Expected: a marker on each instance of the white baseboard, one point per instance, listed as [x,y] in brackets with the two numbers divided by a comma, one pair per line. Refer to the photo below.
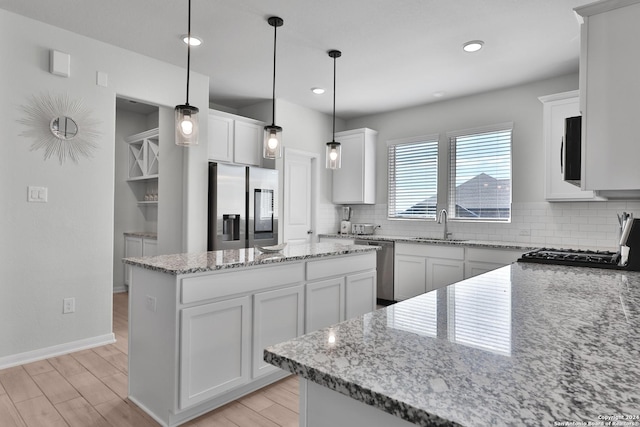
[120,289]
[56,350]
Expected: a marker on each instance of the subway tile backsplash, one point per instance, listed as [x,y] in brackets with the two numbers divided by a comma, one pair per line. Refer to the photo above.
[586,225]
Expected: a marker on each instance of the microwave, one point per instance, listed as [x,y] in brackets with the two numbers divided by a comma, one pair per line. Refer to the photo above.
[571,157]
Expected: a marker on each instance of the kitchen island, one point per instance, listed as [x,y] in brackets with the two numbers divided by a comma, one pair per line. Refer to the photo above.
[527,344]
[198,323]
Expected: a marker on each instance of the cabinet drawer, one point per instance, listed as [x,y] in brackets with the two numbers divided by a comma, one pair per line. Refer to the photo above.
[340,266]
[239,282]
[495,256]
[431,251]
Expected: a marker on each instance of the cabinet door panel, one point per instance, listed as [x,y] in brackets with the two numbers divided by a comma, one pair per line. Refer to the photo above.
[443,272]
[247,143]
[149,247]
[214,349]
[410,276]
[324,304]
[132,248]
[277,317]
[360,294]
[220,138]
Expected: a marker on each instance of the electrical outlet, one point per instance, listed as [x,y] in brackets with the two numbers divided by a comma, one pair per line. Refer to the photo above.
[68,305]
[151,303]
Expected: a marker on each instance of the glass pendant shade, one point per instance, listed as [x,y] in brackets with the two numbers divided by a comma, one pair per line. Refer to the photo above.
[272,146]
[334,155]
[186,125]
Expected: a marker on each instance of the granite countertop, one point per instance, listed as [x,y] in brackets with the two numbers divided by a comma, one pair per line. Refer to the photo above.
[236,258]
[527,344]
[146,234]
[436,241]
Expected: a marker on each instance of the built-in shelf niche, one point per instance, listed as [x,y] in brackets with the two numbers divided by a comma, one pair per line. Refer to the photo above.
[144,167]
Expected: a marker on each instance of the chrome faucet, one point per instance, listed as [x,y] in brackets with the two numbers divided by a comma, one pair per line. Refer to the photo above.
[446,234]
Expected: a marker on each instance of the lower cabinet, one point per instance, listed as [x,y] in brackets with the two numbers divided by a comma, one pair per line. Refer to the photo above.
[137,246]
[277,316]
[215,349]
[196,341]
[360,294]
[324,304]
[421,268]
[482,260]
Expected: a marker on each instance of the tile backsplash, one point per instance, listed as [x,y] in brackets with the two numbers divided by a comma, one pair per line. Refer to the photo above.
[586,225]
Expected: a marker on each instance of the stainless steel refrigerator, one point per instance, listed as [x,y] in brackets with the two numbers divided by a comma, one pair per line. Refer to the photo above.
[242,207]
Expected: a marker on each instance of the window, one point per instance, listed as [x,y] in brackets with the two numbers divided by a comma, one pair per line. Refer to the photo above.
[480,173]
[413,177]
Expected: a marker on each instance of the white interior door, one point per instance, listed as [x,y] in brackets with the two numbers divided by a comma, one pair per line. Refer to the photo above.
[299,196]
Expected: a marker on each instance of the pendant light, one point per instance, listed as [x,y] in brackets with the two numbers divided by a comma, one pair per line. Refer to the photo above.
[272,146]
[187,115]
[334,150]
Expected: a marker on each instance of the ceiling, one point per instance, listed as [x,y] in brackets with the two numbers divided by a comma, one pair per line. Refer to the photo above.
[395,53]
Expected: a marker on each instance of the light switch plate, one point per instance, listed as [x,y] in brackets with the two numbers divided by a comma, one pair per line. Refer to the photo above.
[37,194]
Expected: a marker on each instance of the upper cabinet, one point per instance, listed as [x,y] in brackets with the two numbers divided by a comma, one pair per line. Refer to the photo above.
[355,181]
[556,108]
[235,139]
[610,95]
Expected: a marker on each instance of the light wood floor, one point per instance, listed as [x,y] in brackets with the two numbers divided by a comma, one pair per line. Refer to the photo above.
[89,389]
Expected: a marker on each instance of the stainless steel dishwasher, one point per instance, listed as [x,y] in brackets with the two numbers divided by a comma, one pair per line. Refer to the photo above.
[384,267]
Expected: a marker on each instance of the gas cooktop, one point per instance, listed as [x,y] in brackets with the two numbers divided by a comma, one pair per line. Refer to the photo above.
[578,258]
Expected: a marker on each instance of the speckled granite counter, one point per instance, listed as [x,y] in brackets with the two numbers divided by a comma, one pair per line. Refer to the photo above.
[526,344]
[435,241]
[236,258]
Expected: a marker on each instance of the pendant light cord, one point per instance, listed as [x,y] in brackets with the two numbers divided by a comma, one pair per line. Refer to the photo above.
[188,50]
[273,97]
[333,139]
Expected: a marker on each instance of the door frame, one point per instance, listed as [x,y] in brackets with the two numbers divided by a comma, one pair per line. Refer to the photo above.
[314,158]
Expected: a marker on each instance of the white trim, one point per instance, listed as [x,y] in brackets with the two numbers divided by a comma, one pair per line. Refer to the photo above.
[602,6]
[56,350]
[560,96]
[120,289]
[481,129]
[412,139]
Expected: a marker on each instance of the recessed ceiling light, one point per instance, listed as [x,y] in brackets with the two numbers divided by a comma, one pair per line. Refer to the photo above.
[317,90]
[473,46]
[195,41]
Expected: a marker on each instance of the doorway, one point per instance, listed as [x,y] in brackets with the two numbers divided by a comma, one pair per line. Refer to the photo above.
[300,196]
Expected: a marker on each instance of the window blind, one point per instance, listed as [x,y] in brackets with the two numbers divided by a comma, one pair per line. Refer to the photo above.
[480,173]
[413,177]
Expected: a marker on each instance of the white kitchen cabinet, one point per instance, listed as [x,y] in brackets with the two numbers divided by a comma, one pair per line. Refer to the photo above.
[340,289]
[410,275]
[138,246]
[324,303]
[277,317]
[610,95]
[355,181]
[196,340]
[235,139]
[360,294]
[481,260]
[144,166]
[215,349]
[556,108]
[420,268]
[442,272]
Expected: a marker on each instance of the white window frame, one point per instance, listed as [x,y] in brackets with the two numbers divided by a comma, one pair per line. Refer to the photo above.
[391,177]
[451,193]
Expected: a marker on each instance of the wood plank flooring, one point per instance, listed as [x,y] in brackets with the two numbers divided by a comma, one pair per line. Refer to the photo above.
[89,388]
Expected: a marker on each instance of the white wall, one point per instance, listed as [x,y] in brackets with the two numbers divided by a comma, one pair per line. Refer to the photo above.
[578,224]
[64,248]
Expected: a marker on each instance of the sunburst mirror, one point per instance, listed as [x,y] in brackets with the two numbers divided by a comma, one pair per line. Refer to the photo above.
[60,126]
